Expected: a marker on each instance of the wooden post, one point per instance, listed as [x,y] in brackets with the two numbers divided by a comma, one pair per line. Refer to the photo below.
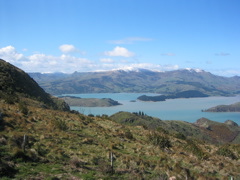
[111,158]
[24,142]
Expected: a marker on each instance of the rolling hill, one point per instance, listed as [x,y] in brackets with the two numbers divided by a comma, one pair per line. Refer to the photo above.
[40,140]
[203,129]
[142,81]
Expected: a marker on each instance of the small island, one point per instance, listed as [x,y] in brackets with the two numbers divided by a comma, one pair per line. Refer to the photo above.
[183,94]
[89,102]
[225,108]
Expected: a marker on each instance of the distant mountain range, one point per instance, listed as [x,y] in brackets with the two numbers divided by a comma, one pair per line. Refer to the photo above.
[140,81]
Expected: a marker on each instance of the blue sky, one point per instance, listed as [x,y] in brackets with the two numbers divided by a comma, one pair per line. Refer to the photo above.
[91,35]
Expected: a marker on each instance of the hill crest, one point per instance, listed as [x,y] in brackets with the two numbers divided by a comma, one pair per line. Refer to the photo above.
[15,84]
[143,81]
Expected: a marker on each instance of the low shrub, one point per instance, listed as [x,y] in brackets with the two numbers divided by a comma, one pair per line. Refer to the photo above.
[180,136]
[76,162]
[128,134]
[104,166]
[195,149]
[60,124]
[159,140]
[23,108]
[90,115]
[225,151]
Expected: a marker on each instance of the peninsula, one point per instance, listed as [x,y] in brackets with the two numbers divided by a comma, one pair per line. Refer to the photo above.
[89,102]
[183,94]
[225,108]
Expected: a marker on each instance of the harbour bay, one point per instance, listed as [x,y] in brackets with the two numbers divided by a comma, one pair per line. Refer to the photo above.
[189,109]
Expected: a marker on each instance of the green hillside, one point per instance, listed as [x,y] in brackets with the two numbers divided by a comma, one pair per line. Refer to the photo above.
[203,129]
[15,85]
[38,141]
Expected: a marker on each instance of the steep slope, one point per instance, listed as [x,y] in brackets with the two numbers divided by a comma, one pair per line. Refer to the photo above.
[169,82]
[15,84]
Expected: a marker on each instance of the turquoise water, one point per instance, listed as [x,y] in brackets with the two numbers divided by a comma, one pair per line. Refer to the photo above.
[173,109]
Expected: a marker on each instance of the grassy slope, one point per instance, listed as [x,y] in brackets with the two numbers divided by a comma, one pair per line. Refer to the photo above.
[203,129]
[73,146]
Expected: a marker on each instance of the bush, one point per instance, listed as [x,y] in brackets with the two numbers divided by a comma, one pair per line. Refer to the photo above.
[180,136]
[76,162]
[90,115]
[160,129]
[158,140]
[23,108]
[225,151]
[104,166]
[7,169]
[60,124]
[196,150]
[128,134]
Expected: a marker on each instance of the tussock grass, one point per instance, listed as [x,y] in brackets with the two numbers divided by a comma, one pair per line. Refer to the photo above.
[70,145]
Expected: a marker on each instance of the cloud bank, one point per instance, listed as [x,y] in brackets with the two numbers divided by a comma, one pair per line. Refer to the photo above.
[68,63]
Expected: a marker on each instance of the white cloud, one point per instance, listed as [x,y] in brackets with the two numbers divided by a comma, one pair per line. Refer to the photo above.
[45,63]
[63,63]
[10,54]
[130,40]
[68,48]
[68,63]
[119,51]
[38,62]
[106,60]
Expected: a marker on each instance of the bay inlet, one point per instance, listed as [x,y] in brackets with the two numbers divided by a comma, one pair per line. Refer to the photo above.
[184,109]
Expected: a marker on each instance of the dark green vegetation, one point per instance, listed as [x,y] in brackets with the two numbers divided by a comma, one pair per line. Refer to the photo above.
[15,85]
[90,102]
[41,142]
[183,94]
[225,108]
[144,81]
[203,129]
